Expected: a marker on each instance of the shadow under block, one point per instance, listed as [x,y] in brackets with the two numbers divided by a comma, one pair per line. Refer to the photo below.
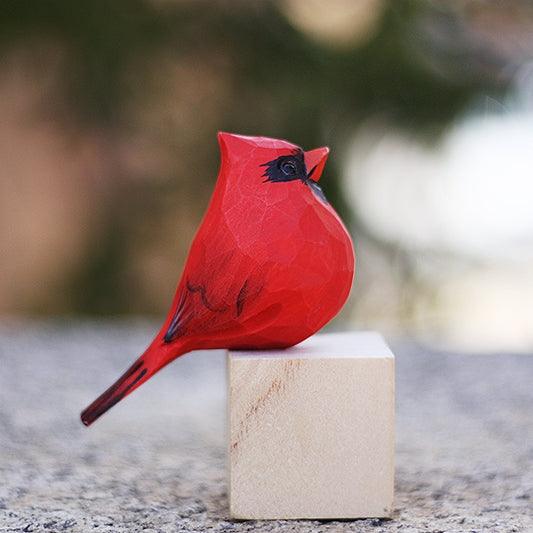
[311,429]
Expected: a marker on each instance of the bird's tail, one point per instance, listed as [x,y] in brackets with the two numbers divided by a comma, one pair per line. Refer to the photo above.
[152,360]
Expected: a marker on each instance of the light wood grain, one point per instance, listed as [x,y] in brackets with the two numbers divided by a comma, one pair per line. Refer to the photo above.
[312,429]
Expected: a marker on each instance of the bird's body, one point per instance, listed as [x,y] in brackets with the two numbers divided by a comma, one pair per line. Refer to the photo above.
[270,265]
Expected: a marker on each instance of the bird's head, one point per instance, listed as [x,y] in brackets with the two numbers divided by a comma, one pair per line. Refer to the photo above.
[260,160]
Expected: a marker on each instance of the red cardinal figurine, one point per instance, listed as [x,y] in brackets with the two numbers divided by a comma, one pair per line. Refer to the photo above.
[270,265]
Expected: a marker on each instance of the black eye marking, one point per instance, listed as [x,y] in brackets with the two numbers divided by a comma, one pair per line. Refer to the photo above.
[286,168]
[292,167]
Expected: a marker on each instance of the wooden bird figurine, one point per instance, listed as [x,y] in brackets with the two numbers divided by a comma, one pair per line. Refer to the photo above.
[270,265]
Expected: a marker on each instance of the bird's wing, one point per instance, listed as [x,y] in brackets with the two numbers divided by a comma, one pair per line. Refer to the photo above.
[218,293]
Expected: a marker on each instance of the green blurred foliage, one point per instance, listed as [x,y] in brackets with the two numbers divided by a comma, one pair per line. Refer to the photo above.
[282,85]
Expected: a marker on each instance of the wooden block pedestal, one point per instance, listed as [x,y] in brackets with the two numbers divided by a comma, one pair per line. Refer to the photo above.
[311,429]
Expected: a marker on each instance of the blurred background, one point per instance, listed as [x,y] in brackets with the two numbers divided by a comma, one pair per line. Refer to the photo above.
[108,152]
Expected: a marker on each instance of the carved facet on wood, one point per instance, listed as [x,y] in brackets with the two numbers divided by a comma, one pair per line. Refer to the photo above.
[270,265]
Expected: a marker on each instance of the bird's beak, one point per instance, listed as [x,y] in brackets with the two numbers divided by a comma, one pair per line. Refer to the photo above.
[315,160]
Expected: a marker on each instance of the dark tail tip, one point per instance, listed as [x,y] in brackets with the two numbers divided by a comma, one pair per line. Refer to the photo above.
[99,407]
[130,380]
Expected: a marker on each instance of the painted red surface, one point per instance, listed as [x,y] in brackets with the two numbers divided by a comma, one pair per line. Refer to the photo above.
[270,265]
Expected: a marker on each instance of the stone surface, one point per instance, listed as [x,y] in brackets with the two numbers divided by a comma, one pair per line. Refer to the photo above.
[311,429]
[157,462]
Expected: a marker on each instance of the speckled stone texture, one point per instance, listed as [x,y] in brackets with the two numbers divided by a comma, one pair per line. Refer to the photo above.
[157,461]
